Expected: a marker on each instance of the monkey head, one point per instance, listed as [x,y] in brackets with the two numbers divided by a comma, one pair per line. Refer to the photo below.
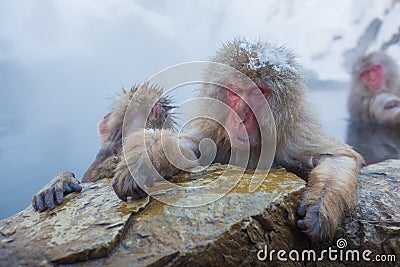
[373,77]
[374,71]
[262,74]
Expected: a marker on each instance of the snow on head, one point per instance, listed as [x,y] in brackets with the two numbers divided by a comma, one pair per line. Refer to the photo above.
[265,54]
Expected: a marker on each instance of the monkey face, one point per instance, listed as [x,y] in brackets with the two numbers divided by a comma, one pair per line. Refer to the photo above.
[372,76]
[244,99]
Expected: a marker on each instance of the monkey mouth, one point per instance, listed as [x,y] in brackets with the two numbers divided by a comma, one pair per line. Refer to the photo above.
[242,141]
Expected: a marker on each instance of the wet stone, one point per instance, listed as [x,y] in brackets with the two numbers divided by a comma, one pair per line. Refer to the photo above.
[375,223]
[229,231]
[87,225]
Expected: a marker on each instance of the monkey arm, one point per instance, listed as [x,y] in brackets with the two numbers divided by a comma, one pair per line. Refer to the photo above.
[332,181]
[151,155]
[331,191]
[106,159]
[385,109]
[53,192]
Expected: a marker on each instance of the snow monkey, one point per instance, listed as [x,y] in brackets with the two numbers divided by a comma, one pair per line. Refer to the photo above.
[110,131]
[375,90]
[331,167]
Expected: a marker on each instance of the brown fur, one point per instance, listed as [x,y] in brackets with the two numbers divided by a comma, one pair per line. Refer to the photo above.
[142,102]
[383,106]
[110,153]
[301,144]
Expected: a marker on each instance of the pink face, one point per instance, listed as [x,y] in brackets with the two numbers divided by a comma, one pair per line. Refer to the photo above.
[102,124]
[372,76]
[237,96]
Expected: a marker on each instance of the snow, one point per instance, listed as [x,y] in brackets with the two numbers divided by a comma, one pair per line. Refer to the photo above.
[270,55]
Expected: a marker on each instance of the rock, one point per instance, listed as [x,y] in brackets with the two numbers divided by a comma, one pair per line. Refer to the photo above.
[88,225]
[227,232]
[12,256]
[375,224]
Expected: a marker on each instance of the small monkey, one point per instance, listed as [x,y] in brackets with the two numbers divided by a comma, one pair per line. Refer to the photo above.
[110,131]
[375,90]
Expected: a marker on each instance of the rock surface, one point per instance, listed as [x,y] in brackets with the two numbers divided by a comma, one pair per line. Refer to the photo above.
[228,232]
[88,225]
[375,224]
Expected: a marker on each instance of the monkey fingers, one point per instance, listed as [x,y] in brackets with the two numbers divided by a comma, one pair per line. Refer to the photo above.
[392,104]
[157,116]
[312,223]
[125,186]
[54,191]
[116,136]
[302,209]
[158,110]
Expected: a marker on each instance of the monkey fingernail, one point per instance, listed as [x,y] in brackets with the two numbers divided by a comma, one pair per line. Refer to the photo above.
[41,206]
[122,197]
[76,188]
[59,197]
[302,209]
[34,205]
[73,188]
[302,224]
[40,202]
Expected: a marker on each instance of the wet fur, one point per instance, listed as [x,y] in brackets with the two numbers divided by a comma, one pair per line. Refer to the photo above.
[110,153]
[332,166]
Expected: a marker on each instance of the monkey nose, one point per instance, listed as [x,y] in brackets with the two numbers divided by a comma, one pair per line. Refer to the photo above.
[242,110]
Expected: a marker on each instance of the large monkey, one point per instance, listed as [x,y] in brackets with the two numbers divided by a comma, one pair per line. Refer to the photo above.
[331,167]
[375,90]
[110,131]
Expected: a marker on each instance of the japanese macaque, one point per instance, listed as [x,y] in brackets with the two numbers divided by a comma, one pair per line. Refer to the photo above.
[331,167]
[375,90]
[110,131]
[269,79]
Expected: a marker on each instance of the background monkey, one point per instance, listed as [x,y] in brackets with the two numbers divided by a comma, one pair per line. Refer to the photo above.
[331,167]
[375,90]
[110,131]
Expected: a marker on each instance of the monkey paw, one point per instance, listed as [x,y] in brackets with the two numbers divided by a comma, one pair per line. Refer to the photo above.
[394,103]
[157,116]
[125,186]
[116,136]
[53,193]
[314,224]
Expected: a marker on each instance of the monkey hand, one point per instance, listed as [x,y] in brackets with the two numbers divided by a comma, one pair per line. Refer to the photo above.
[148,157]
[392,104]
[331,192]
[125,186]
[385,109]
[157,116]
[312,222]
[53,193]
